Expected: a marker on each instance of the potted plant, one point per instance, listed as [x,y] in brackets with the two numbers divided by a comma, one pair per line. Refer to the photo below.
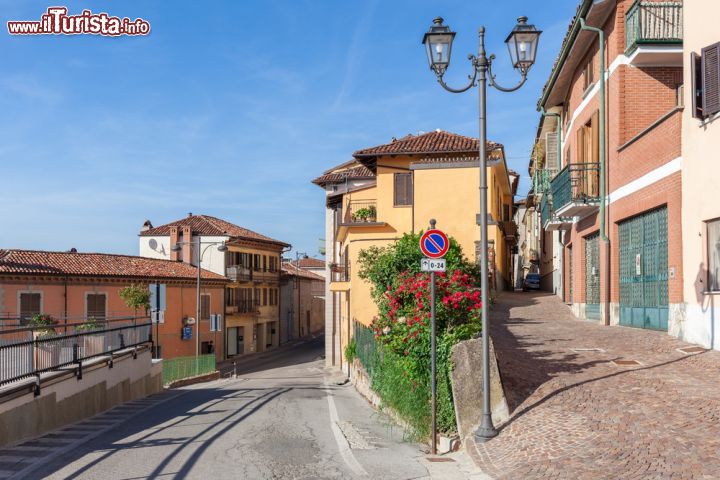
[92,342]
[45,354]
[362,214]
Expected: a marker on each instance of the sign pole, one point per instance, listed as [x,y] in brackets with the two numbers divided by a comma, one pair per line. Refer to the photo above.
[157,320]
[432,363]
[433,358]
[434,244]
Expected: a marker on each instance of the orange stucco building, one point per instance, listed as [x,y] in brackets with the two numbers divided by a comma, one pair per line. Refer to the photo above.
[73,287]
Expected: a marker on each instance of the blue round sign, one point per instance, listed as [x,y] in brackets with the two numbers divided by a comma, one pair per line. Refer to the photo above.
[434,243]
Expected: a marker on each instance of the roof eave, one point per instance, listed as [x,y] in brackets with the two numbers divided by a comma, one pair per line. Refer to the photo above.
[571,36]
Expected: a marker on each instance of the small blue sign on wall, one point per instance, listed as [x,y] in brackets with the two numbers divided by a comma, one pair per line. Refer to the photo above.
[186,333]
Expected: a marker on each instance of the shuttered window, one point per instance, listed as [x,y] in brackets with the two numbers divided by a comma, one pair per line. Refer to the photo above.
[551,151]
[95,305]
[257,297]
[29,306]
[403,189]
[205,307]
[711,79]
[713,255]
[265,296]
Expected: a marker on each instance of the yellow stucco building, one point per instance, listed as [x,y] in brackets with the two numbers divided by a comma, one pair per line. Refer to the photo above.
[396,188]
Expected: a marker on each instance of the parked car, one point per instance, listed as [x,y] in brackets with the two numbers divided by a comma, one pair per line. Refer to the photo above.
[531,282]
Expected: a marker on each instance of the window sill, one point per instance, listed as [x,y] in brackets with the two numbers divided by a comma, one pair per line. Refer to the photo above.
[712,292]
[703,122]
[588,90]
[402,206]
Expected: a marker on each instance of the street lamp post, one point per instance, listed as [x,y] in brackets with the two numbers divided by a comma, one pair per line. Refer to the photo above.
[297,284]
[522,45]
[200,253]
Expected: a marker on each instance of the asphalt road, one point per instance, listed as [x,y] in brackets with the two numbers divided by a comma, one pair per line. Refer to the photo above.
[284,417]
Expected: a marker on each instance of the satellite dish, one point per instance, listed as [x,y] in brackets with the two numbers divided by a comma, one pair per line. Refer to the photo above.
[190,321]
[153,243]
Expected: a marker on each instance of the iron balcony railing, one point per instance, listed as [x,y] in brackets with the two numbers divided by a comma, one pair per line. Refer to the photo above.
[266,277]
[545,210]
[340,272]
[541,180]
[239,273]
[652,23]
[27,352]
[360,211]
[576,183]
[242,306]
[509,229]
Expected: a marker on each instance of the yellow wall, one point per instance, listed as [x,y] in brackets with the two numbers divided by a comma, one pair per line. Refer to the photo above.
[449,195]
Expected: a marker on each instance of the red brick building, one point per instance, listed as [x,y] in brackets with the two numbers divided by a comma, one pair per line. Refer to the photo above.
[74,286]
[621,165]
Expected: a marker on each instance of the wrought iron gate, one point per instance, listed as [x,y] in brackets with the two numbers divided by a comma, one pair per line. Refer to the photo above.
[643,250]
[592,276]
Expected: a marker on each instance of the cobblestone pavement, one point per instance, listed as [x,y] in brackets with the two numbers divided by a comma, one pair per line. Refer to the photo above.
[578,415]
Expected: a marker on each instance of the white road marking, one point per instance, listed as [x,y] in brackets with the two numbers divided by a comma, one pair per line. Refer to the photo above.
[342,442]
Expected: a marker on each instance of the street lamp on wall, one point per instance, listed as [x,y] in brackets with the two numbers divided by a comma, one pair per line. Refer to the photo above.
[522,45]
[200,253]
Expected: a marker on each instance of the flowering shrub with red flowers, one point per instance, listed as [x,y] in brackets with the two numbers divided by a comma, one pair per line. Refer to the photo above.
[404,321]
[400,372]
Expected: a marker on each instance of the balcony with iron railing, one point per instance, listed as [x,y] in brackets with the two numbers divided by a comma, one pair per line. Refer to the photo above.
[549,220]
[266,276]
[541,180]
[575,190]
[340,272]
[360,212]
[239,273]
[657,25]
[509,230]
[242,306]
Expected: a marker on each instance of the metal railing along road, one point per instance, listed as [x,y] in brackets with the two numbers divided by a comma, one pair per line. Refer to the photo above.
[180,368]
[577,182]
[653,22]
[29,351]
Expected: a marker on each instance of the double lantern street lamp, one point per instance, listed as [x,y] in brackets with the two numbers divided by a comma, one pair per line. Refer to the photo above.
[197,244]
[522,45]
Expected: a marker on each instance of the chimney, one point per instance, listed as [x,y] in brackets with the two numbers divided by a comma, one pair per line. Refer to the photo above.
[146,226]
[173,241]
[187,247]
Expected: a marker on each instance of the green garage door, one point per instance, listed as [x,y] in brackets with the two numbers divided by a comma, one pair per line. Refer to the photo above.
[643,271]
[592,277]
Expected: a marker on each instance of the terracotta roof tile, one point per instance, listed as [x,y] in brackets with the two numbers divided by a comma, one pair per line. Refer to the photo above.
[332,176]
[35,262]
[310,263]
[292,270]
[438,141]
[208,225]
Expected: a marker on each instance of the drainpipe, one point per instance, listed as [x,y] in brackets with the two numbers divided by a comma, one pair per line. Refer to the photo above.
[559,157]
[603,200]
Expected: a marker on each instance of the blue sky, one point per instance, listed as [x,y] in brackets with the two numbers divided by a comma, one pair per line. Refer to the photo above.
[231,110]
